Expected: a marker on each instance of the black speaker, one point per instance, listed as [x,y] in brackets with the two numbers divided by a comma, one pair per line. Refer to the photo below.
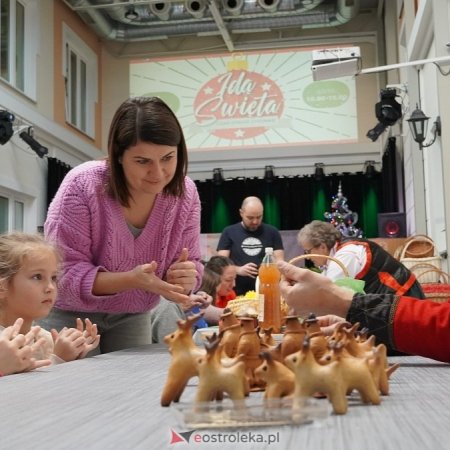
[392,225]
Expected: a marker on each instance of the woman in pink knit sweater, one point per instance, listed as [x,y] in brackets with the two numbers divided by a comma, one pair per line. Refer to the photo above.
[129,228]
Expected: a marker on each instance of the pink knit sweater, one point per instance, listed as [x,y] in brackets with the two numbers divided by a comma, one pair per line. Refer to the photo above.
[91,230]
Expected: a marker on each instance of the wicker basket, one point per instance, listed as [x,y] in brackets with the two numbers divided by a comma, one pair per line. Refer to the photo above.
[437,292]
[422,263]
[241,304]
[426,270]
[418,246]
[355,285]
[309,255]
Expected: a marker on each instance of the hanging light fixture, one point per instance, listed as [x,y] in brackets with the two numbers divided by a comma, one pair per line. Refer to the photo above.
[387,111]
[319,173]
[269,175]
[370,170]
[217,176]
[418,123]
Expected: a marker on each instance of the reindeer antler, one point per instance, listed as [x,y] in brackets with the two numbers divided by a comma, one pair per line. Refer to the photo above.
[190,320]
[212,344]
[267,356]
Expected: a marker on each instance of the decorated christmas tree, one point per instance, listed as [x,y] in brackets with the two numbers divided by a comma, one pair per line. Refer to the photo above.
[342,217]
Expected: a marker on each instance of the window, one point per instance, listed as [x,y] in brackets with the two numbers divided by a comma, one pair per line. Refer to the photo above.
[18,41]
[18,215]
[11,214]
[4,215]
[80,73]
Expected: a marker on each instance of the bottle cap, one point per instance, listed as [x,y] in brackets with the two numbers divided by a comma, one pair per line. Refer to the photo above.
[269,250]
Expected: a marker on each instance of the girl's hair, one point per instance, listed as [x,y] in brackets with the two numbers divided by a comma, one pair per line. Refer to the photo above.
[210,281]
[318,232]
[218,263]
[144,119]
[14,247]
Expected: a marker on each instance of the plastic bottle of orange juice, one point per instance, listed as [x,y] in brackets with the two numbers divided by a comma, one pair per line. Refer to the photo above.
[269,315]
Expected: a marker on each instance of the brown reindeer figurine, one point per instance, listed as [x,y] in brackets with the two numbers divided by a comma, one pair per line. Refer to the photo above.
[279,380]
[216,379]
[182,366]
[266,337]
[365,348]
[354,346]
[334,379]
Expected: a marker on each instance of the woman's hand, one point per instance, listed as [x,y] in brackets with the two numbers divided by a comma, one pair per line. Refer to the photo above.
[200,299]
[144,278]
[306,291]
[203,299]
[182,272]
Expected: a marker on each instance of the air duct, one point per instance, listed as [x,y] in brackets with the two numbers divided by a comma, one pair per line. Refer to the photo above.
[345,11]
[269,5]
[234,7]
[161,10]
[314,14]
[196,8]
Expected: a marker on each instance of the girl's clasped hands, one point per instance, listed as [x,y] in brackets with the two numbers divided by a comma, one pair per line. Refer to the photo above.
[75,343]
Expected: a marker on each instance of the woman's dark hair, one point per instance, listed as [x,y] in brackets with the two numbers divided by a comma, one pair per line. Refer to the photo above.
[210,281]
[144,119]
[218,263]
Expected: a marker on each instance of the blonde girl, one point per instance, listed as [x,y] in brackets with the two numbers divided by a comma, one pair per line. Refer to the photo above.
[28,288]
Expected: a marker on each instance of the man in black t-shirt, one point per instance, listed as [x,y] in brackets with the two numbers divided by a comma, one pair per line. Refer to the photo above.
[244,243]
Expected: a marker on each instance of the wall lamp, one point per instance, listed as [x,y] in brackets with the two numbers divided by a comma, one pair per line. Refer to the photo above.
[319,173]
[218,178]
[418,123]
[27,136]
[269,174]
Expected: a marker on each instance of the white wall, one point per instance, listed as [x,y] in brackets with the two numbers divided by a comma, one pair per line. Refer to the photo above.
[424,170]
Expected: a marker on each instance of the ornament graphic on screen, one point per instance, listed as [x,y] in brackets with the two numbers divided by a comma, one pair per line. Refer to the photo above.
[239,104]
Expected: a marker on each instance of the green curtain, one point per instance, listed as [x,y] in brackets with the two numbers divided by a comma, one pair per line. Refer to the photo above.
[220,216]
[272,210]
[320,202]
[369,211]
[292,202]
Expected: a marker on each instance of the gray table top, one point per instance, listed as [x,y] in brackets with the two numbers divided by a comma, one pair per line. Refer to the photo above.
[112,401]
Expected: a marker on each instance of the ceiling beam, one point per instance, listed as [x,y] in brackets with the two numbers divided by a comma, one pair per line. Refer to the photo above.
[221,25]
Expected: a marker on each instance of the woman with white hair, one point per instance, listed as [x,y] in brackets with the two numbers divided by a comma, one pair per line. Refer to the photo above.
[363,259]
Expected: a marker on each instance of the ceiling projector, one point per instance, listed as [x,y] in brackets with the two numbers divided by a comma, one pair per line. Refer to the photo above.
[335,62]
